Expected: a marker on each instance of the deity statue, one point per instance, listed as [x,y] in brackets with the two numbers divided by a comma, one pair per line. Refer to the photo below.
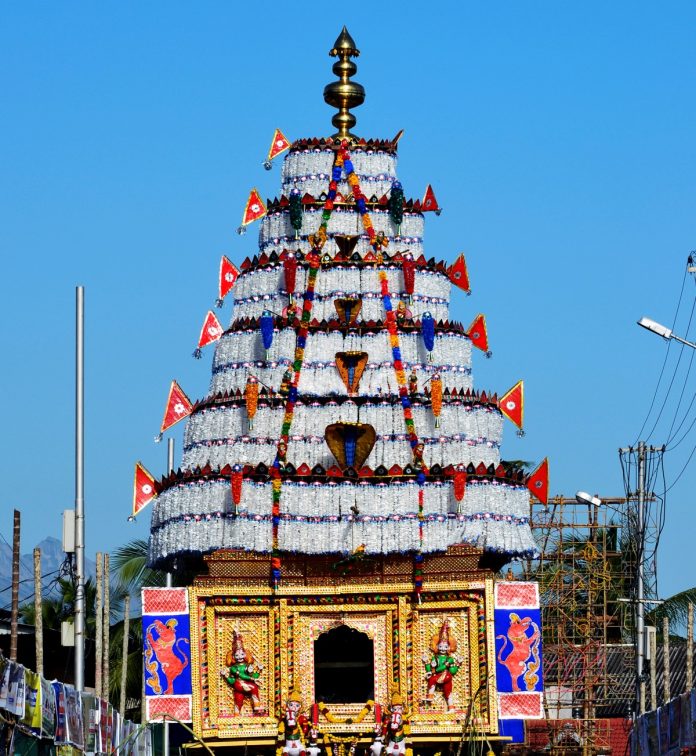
[393,729]
[294,726]
[242,673]
[441,666]
[402,312]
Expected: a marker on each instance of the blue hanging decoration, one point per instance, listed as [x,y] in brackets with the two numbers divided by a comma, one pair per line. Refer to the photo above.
[396,206]
[428,331]
[267,330]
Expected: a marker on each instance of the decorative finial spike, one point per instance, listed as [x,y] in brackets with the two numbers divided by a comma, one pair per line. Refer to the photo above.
[344,94]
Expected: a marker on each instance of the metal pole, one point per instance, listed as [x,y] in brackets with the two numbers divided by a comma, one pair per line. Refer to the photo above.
[653,670]
[170,467]
[79,488]
[38,612]
[640,588]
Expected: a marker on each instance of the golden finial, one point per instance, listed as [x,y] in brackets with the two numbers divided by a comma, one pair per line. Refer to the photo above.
[344,94]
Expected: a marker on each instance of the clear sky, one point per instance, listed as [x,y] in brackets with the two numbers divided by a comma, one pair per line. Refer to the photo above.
[559,138]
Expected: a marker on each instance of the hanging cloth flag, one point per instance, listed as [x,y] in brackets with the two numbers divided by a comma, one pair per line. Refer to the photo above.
[428,331]
[228,277]
[290,269]
[478,334]
[267,324]
[211,331]
[143,489]
[253,210]
[512,405]
[278,145]
[429,203]
[458,274]
[408,266]
[538,482]
[178,407]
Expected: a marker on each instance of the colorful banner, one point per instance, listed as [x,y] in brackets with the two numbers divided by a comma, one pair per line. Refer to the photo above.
[167,650]
[519,679]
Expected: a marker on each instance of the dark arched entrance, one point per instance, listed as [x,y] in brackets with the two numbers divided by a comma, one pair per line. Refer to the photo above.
[344,666]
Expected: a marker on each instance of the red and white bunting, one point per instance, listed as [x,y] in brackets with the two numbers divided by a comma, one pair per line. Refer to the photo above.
[429,203]
[254,208]
[459,275]
[178,407]
[143,488]
[478,333]
[211,331]
[279,144]
[538,482]
[512,404]
[229,273]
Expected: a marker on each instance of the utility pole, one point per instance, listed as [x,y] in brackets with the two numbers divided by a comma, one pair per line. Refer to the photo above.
[640,584]
[80,488]
[14,613]
[38,612]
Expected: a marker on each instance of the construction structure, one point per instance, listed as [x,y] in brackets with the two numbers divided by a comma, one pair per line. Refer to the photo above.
[586,570]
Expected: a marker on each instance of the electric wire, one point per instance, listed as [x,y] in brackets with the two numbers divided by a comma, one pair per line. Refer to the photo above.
[664,363]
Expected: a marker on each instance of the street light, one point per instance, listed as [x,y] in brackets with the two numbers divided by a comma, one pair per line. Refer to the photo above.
[663,331]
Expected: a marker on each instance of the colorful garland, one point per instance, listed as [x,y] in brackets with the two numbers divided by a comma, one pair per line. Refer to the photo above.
[379,241]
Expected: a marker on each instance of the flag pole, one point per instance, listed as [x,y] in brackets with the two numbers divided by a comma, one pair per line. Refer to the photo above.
[79,489]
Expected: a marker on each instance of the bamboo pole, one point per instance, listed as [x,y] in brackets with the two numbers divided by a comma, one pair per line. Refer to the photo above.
[124,657]
[38,612]
[105,630]
[98,634]
[665,660]
[690,648]
[653,670]
[14,614]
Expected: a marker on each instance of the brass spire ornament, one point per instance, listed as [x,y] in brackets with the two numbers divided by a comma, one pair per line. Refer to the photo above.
[344,94]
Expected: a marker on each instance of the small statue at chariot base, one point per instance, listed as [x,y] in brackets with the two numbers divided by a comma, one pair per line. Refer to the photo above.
[294,726]
[441,666]
[242,674]
[393,729]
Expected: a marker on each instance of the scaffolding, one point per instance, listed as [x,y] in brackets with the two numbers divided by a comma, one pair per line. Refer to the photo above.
[586,573]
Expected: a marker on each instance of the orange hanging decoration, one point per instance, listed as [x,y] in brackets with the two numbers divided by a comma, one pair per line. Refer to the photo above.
[436,397]
[251,395]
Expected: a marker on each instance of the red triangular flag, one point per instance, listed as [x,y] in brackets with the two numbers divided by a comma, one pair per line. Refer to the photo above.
[143,488]
[478,333]
[211,331]
[538,482]
[429,202]
[254,208]
[228,276]
[278,145]
[512,404]
[178,407]
[458,274]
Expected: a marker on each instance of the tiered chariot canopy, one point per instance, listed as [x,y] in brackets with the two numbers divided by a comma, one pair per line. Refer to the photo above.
[341,413]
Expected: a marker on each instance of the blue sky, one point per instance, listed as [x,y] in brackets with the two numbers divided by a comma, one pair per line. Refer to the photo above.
[559,137]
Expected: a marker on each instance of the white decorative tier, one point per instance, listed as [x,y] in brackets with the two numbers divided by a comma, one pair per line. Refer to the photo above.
[321,514]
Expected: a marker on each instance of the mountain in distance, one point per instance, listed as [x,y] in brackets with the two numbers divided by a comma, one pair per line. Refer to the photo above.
[52,558]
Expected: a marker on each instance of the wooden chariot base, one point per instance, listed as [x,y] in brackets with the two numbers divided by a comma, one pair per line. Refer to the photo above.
[342,629]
